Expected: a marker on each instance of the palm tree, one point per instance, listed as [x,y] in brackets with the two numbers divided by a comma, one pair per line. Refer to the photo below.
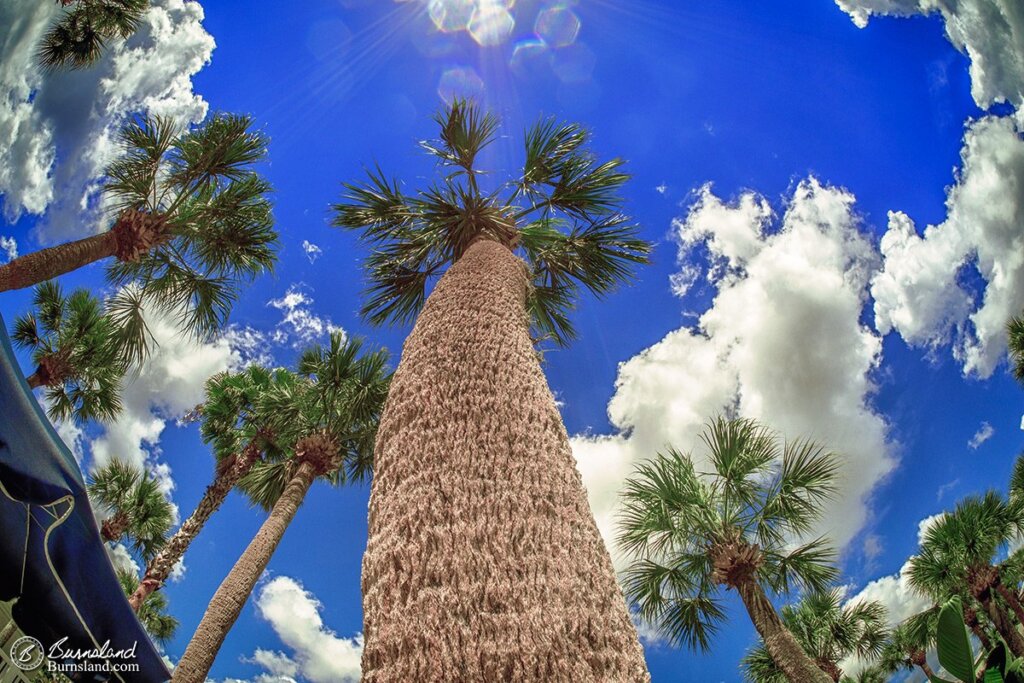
[828,631]
[139,509]
[76,353]
[1015,334]
[473,466]
[230,425]
[693,533]
[78,38]
[324,421]
[908,644]
[193,224]
[958,558]
[153,615]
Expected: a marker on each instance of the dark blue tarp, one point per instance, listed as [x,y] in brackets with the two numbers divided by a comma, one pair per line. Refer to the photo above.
[52,559]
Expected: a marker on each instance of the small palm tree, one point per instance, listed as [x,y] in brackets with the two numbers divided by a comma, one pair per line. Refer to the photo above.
[506,263]
[153,615]
[239,438]
[1015,334]
[693,534]
[828,631]
[76,352]
[958,557]
[138,508]
[908,644]
[193,223]
[324,420]
[78,38]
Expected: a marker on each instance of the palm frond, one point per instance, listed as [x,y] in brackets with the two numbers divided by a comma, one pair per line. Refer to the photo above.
[1015,336]
[465,131]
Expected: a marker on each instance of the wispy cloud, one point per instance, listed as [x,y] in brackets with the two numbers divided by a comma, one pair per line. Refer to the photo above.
[984,433]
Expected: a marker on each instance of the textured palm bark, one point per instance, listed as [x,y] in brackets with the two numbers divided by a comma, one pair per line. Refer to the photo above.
[780,643]
[46,264]
[113,528]
[974,623]
[1011,599]
[226,604]
[160,567]
[35,380]
[1004,626]
[483,561]
[920,659]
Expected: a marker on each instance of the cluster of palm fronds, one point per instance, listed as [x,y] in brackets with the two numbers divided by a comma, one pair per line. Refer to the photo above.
[734,518]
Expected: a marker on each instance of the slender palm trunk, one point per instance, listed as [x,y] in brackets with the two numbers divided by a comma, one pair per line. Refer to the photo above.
[1004,625]
[1011,599]
[114,527]
[920,659]
[226,604]
[483,561]
[780,643]
[46,264]
[160,567]
[974,623]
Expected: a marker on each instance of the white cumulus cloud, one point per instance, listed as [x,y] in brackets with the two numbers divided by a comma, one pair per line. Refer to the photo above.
[990,32]
[57,129]
[317,654]
[782,342]
[920,293]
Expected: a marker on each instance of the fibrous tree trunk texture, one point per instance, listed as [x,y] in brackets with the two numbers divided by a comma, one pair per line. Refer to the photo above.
[160,567]
[113,528]
[134,233]
[1010,596]
[483,561]
[234,591]
[920,659]
[780,643]
[46,264]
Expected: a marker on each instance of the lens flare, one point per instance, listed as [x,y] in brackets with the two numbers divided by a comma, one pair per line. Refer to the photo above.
[491,24]
[450,16]
[460,83]
[557,26]
[488,22]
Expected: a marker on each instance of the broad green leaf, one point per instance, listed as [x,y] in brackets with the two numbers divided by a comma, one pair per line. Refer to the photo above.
[953,643]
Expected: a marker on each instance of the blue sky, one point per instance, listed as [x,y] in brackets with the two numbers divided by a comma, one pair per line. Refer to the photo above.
[768,143]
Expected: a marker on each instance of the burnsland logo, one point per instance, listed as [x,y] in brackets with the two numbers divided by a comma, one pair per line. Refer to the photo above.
[27,653]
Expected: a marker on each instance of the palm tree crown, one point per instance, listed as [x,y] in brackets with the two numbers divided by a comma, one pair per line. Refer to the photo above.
[196,218]
[138,507]
[692,532]
[828,631]
[78,38]
[75,349]
[192,224]
[335,400]
[562,214]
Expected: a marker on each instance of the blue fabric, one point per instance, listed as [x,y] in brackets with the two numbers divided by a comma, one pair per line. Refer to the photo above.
[52,558]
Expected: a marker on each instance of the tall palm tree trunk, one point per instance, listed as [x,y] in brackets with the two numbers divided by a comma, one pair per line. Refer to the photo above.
[1004,625]
[160,567]
[226,604]
[483,561]
[780,643]
[46,264]
[920,659]
[1011,599]
[977,628]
